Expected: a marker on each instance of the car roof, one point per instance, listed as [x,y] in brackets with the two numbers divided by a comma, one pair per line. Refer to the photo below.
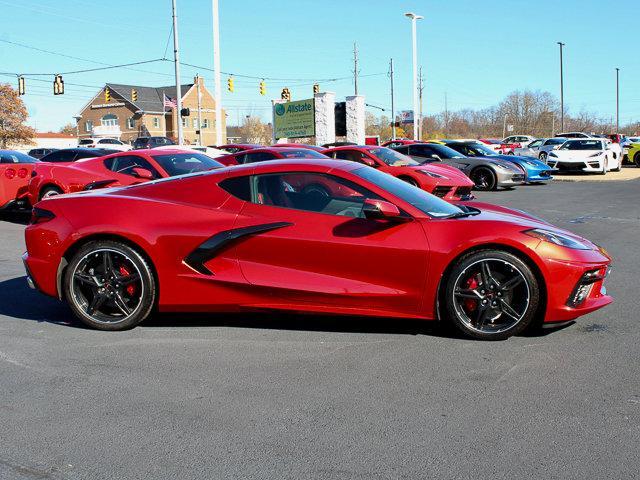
[355,147]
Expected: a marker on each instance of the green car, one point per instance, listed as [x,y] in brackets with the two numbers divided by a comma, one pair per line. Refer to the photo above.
[633,156]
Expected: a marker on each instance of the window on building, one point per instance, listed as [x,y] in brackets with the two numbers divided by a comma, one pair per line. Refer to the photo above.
[131,123]
[156,122]
[205,123]
[88,126]
[185,122]
[109,120]
[195,123]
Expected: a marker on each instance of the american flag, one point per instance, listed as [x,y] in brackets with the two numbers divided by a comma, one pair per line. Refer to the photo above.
[169,102]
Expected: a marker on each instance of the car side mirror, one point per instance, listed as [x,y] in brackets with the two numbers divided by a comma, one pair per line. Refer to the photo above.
[380,210]
[436,157]
[368,162]
[142,173]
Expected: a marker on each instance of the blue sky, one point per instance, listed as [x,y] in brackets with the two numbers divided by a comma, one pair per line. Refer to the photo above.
[476,52]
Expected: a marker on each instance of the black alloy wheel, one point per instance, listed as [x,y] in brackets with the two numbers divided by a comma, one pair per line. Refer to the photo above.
[491,295]
[484,178]
[109,286]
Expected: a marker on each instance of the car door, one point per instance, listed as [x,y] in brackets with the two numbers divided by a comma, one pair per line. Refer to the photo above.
[121,168]
[319,249]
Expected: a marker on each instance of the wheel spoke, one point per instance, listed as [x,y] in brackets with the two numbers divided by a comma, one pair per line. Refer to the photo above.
[107,263]
[87,279]
[96,302]
[512,283]
[121,304]
[506,308]
[467,293]
[128,279]
[481,315]
[487,277]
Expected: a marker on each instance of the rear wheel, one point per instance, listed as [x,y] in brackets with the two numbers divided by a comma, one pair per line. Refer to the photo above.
[491,295]
[636,159]
[410,181]
[484,178]
[49,191]
[543,156]
[109,286]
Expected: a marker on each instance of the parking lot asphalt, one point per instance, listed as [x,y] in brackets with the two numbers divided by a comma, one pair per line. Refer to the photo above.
[293,396]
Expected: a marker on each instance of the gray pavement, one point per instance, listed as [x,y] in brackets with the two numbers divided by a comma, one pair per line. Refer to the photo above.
[300,397]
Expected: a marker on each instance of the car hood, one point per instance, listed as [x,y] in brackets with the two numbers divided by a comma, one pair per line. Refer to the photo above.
[506,164]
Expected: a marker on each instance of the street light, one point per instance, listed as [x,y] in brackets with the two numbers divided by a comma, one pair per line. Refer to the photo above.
[561,89]
[617,100]
[414,19]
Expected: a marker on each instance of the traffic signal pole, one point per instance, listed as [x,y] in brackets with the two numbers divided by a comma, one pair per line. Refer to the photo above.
[216,69]
[393,110]
[176,61]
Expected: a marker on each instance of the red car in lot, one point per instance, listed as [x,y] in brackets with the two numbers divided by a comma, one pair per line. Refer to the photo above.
[15,171]
[124,168]
[436,178]
[245,239]
[237,147]
[306,146]
[269,153]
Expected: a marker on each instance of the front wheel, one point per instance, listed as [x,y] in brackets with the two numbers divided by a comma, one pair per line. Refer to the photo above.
[543,157]
[484,178]
[636,159]
[109,286]
[491,295]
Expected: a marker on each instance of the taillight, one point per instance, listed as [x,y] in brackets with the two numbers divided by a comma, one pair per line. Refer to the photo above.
[9,173]
[22,173]
[40,215]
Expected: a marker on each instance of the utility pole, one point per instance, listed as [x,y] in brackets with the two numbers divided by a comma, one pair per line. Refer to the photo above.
[176,62]
[553,124]
[561,89]
[216,69]
[446,115]
[617,100]
[199,110]
[355,68]
[420,88]
[414,18]
[504,126]
[393,111]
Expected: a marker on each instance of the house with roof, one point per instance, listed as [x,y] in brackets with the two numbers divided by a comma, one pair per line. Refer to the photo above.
[127,112]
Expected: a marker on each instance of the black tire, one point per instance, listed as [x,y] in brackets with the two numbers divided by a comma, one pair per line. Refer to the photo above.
[636,159]
[543,156]
[120,300]
[514,308]
[410,181]
[604,167]
[49,191]
[484,178]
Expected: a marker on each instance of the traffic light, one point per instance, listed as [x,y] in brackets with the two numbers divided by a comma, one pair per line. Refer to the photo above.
[185,112]
[263,88]
[230,84]
[316,88]
[21,89]
[107,95]
[286,94]
[58,85]
[134,95]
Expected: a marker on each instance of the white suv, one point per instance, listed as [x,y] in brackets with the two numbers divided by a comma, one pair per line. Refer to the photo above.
[110,143]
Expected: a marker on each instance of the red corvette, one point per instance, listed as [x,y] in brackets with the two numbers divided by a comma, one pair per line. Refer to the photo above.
[439,179]
[15,170]
[269,153]
[124,168]
[237,147]
[244,238]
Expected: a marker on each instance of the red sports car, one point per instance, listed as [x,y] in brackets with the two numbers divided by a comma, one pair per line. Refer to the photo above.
[124,168]
[237,147]
[244,238]
[269,153]
[15,170]
[439,179]
[301,145]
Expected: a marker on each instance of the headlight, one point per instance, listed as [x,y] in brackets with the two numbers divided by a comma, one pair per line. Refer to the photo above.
[431,174]
[557,238]
[553,155]
[597,154]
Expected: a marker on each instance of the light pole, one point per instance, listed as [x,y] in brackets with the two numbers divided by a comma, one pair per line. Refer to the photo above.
[561,89]
[414,18]
[216,68]
[617,100]
[176,61]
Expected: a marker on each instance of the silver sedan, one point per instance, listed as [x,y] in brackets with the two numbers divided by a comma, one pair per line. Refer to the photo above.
[540,148]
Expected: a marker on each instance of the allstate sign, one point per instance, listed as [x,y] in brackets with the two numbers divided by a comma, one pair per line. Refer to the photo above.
[294,119]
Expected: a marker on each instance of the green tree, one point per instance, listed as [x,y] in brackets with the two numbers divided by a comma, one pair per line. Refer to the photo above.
[13,115]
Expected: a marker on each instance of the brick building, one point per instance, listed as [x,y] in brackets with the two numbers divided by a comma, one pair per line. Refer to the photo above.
[123,118]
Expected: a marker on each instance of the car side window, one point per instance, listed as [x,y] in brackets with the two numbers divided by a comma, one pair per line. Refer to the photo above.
[420,150]
[62,156]
[535,144]
[258,157]
[351,155]
[125,164]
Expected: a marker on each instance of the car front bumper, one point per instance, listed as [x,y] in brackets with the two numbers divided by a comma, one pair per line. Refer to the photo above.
[508,179]
[579,166]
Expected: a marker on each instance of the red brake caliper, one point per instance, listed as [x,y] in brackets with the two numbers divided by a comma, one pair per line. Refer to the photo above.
[469,303]
[131,288]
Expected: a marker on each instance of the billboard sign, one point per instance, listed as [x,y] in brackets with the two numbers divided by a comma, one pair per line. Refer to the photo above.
[406,116]
[294,119]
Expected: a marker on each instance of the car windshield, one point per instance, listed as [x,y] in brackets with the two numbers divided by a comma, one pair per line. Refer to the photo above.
[182,163]
[392,158]
[445,152]
[16,157]
[300,153]
[582,145]
[634,139]
[423,201]
[85,141]
[555,141]
[480,150]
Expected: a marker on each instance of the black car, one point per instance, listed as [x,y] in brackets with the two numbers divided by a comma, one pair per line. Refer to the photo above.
[151,142]
[41,152]
[73,154]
